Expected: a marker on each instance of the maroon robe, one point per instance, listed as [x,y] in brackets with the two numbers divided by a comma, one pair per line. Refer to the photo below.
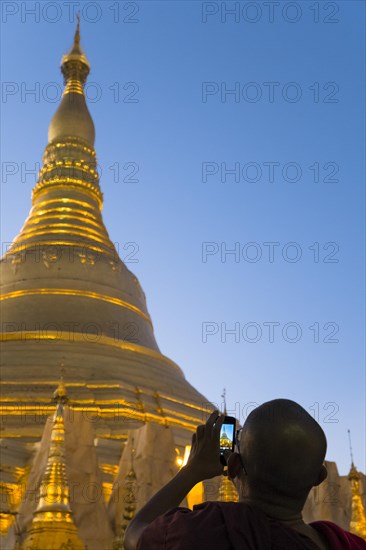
[235,526]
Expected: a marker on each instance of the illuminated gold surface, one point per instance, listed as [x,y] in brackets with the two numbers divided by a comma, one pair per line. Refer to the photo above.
[68,166]
[107,491]
[28,233]
[74,86]
[71,144]
[52,524]
[121,400]
[74,292]
[111,469]
[36,220]
[6,521]
[20,239]
[63,200]
[358,518]
[99,412]
[66,187]
[227,491]
[72,183]
[19,248]
[62,211]
[102,340]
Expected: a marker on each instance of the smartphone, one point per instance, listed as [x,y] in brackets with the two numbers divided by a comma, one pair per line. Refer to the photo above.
[227,437]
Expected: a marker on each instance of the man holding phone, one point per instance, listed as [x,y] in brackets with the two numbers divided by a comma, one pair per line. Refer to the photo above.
[279,459]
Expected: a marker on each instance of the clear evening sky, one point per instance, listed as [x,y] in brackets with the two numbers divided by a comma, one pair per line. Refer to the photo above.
[292,134]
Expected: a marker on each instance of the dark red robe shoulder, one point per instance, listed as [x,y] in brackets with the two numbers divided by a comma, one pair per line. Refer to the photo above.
[235,526]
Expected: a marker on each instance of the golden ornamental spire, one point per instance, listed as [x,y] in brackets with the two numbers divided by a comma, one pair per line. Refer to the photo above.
[74,66]
[358,518]
[129,498]
[67,200]
[223,395]
[60,394]
[52,527]
[227,491]
[72,118]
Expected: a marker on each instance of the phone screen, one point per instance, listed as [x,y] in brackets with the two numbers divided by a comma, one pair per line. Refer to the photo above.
[227,436]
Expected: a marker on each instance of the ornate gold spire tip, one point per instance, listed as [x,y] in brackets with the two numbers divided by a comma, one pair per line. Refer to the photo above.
[223,395]
[76,54]
[60,394]
[77,32]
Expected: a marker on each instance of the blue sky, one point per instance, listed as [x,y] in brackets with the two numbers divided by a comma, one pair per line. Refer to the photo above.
[292,131]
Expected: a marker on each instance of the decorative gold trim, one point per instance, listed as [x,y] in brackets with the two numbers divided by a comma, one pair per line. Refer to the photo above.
[35,219]
[67,166]
[102,341]
[92,386]
[104,406]
[68,184]
[100,412]
[27,233]
[41,214]
[19,237]
[71,144]
[60,179]
[19,248]
[72,292]
[74,86]
[63,200]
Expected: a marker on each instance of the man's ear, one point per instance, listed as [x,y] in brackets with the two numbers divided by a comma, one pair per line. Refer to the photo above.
[323,474]
[234,466]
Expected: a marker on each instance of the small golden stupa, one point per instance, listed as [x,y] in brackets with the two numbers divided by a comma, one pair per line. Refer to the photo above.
[358,518]
[53,526]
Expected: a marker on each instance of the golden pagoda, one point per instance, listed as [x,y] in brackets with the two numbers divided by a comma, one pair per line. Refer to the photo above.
[52,526]
[67,296]
[358,519]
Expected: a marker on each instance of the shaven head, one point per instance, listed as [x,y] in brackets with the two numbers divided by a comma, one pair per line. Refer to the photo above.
[283,449]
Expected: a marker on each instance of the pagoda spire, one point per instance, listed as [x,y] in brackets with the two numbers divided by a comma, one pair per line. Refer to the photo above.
[67,200]
[75,66]
[223,395]
[358,517]
[53,526]
[129,498]
[72,118]
[227,490]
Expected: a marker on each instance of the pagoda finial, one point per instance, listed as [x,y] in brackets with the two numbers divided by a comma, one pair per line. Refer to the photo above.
[77,32]
[350,445]
[60,394]
[223,395]
[72,119]
[74,65]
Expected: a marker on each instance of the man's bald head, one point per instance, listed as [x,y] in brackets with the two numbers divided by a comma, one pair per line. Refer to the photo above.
[283,449]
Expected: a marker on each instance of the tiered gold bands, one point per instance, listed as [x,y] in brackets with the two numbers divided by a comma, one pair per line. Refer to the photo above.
[72,292]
